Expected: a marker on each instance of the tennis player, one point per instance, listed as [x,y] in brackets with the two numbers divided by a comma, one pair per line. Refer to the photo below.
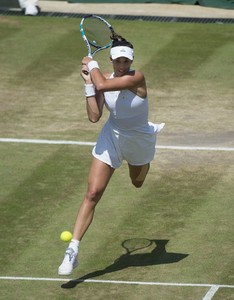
[127,134]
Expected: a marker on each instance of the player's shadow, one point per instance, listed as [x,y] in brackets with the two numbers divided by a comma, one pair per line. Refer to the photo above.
[157,256]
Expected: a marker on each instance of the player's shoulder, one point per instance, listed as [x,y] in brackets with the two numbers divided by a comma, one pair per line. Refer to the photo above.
[138,75]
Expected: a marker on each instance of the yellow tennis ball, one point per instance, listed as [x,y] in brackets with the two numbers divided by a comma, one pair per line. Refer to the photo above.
[66,236]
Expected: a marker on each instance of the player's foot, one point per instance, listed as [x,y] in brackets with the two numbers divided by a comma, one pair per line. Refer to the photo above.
[69,262]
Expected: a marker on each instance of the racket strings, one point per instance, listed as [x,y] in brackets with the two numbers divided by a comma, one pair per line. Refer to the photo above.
[97,32]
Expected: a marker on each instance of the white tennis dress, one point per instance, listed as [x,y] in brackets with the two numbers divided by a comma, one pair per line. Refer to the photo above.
[127,134]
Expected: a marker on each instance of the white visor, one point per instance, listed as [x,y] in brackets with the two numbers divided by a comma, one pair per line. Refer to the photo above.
[121,51]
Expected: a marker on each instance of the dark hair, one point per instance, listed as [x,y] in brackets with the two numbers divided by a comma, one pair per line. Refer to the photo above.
[118,40]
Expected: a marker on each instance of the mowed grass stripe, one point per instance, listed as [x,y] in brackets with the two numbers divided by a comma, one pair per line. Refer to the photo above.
[208,224]
[51,63]
[38,44]
[189,50]
[43,192]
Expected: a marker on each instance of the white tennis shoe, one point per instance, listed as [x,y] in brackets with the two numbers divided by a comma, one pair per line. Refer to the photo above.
[69,262]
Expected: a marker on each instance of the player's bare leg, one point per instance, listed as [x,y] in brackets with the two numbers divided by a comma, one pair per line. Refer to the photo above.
[99,176]
[138,174]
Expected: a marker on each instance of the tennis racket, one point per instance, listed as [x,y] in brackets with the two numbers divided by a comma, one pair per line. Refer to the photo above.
[96,33]
[135,244]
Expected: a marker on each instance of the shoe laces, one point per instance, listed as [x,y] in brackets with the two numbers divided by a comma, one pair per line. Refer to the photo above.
[71,253]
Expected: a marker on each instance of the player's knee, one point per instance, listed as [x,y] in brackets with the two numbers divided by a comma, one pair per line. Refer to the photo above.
[139,178]
[137,184]
[93,195]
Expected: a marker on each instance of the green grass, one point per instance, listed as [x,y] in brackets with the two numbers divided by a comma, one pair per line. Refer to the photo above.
[186,204]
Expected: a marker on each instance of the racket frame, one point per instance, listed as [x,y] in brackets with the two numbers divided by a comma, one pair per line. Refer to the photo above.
[87,42]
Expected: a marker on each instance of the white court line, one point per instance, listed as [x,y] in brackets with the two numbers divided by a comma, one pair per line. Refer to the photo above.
[50,142]
[61,142]
[116,282]
[209,295]
[211,292]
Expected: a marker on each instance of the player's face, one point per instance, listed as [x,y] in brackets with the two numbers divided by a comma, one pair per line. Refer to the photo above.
[121,66]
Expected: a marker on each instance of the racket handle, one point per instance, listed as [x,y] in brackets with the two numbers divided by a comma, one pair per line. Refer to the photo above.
[84,71]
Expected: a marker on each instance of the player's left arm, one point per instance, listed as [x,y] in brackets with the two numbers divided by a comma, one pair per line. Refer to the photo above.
[94,98]
[132,80]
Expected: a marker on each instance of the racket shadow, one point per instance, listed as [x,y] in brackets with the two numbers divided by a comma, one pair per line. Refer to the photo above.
[157,256]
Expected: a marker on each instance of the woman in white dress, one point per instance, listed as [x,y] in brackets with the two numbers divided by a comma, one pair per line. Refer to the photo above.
[127,134]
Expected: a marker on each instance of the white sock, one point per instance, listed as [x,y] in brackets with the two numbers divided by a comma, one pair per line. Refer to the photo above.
[74,244]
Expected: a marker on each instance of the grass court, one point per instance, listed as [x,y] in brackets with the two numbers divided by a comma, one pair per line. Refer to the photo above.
[186,204]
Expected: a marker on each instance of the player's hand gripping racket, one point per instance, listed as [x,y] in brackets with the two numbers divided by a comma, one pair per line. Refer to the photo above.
[96,33]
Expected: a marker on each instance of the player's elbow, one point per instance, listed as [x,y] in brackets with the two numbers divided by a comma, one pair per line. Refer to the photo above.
[94,118]
[99,87]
